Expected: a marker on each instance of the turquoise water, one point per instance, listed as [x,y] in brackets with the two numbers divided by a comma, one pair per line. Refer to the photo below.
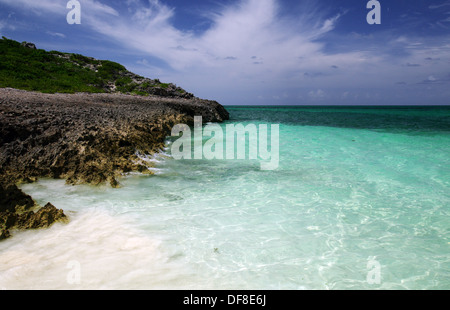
[353,186]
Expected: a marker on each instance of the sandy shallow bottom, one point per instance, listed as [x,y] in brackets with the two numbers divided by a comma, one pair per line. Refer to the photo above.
[347,209]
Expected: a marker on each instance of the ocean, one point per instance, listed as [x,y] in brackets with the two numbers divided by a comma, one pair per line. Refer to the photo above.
[359,199]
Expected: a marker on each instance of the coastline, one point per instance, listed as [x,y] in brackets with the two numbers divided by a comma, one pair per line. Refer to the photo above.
[82,138]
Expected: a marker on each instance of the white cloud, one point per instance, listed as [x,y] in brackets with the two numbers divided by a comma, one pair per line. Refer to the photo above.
[89,7]
[56,34]
[250,50]
[251,33]
[37,7]
[143,62]
[97,8]
[437,6]
[6,25]
[265,49]
[317,94]
[329,24]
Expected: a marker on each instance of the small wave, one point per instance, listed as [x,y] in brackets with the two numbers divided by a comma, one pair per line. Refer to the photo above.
[154,158]
[93,251]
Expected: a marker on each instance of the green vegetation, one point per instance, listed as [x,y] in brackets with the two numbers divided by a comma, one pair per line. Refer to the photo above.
[50,72]
[163,85]
[110,70]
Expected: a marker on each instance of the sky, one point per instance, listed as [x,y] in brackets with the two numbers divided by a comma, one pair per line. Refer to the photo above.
[258,52]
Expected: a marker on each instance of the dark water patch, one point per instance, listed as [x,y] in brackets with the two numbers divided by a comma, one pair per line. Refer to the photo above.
[417,119]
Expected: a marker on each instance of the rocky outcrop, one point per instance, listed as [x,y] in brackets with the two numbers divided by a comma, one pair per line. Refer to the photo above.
[82,138]
[123,81]
[43,218]
[29,45]
[16,212]
[11,198]
[88,138]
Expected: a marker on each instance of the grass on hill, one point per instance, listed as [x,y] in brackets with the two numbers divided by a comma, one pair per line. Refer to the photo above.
[52,71]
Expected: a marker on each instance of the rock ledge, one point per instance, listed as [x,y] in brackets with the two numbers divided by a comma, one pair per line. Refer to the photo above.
[82,138]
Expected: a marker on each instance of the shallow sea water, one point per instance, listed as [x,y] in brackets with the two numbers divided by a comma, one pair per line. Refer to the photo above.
[354,187]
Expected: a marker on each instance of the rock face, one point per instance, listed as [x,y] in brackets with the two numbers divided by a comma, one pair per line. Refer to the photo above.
[82,138]
[11,197]
[88,138]
[16,213]
[44,217]
[29,45]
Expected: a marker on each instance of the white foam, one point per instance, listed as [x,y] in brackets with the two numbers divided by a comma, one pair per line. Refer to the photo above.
[157,157]
[102,251]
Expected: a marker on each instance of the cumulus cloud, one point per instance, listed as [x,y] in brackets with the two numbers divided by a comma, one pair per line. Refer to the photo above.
[238,32]
[224,54]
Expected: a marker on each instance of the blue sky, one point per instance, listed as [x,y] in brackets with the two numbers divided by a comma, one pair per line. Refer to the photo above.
[258,52]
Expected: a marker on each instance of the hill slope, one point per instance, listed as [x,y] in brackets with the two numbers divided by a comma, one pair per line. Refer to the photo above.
[22,66]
